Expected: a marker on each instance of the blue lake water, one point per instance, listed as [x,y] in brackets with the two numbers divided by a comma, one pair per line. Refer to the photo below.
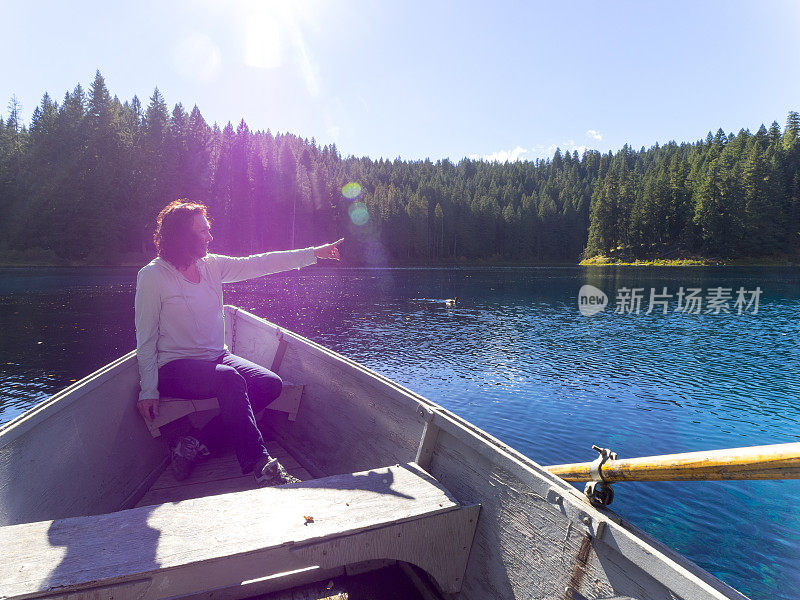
[518,359]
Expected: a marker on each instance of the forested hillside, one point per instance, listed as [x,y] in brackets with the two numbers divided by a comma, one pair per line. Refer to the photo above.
[84,180]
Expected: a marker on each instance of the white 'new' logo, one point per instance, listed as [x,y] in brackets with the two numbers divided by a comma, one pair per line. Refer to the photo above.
[591,300]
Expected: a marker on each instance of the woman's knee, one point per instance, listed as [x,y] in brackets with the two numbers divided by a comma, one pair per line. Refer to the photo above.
[272,385]
[230,383]
[264,389]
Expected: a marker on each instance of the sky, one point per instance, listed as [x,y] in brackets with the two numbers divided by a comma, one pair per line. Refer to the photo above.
[415,80]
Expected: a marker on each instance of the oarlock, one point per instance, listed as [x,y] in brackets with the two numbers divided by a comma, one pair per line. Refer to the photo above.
[598,490]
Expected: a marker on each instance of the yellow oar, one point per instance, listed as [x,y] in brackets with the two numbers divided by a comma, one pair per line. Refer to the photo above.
[776,461]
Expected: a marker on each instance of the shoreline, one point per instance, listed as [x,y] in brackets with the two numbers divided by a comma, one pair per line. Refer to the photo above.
[597,261]
[458,265]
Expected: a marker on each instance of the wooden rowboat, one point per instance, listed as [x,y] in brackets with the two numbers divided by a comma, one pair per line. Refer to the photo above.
[88,509]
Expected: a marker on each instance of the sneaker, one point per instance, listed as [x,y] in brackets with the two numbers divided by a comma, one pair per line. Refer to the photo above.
[185,454]
[273,473]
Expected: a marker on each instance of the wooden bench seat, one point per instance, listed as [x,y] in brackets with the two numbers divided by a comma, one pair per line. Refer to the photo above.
[229,541]
[172,409]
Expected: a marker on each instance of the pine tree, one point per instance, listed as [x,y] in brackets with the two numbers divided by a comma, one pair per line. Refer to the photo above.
[157,191]
[791,133]
[774,133]
[761,210]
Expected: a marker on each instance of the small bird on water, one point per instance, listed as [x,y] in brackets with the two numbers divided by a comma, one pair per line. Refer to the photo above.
[451,301]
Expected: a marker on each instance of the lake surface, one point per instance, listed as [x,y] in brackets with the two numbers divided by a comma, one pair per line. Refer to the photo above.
[518,359]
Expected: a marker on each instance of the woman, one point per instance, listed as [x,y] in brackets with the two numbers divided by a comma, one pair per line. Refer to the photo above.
[180,338]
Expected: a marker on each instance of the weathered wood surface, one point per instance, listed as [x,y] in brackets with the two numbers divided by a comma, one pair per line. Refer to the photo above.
[527,545]
[83,451]
[209,543]
[217,474]
[774,461]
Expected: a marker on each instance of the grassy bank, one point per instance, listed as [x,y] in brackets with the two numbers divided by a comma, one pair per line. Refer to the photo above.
[762,261]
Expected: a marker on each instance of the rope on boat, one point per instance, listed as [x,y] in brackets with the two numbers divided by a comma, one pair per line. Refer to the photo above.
[233,329]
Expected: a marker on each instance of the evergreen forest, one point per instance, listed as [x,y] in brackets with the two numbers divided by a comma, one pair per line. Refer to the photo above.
[83,182]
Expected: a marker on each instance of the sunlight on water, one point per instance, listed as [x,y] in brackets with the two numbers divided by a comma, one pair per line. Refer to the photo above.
[517,358]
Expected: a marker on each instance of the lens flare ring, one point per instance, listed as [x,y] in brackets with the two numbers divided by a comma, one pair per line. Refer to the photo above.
[358,213]
[351,190]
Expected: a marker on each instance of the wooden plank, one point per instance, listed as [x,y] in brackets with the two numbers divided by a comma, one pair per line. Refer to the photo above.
[129,589]
[231,538]
[169,409]
[207,471]
[288,401]
[446,538]
[172,409]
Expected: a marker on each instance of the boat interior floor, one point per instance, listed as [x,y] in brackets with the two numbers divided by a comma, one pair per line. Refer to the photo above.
[217,474]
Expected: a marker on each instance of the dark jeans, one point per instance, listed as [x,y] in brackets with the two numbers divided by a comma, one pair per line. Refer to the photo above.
[242,388]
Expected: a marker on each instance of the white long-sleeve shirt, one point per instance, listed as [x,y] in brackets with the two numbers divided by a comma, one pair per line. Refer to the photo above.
[176,318]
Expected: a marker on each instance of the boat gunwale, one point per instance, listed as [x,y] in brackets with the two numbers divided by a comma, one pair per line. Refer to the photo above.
[62,399]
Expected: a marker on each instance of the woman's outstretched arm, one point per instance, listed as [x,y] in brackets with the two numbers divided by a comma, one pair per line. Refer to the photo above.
[239,268]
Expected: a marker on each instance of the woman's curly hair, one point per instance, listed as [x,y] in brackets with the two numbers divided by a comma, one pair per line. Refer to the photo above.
[174,238]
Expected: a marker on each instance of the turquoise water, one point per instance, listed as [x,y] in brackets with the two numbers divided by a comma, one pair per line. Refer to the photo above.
[517,358]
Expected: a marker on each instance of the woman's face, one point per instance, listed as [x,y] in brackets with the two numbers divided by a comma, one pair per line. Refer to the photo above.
[202,229]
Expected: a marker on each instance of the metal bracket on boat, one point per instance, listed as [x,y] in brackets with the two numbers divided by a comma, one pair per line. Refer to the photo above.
[429,437]
[280,352]
[425,412]
[598,490]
